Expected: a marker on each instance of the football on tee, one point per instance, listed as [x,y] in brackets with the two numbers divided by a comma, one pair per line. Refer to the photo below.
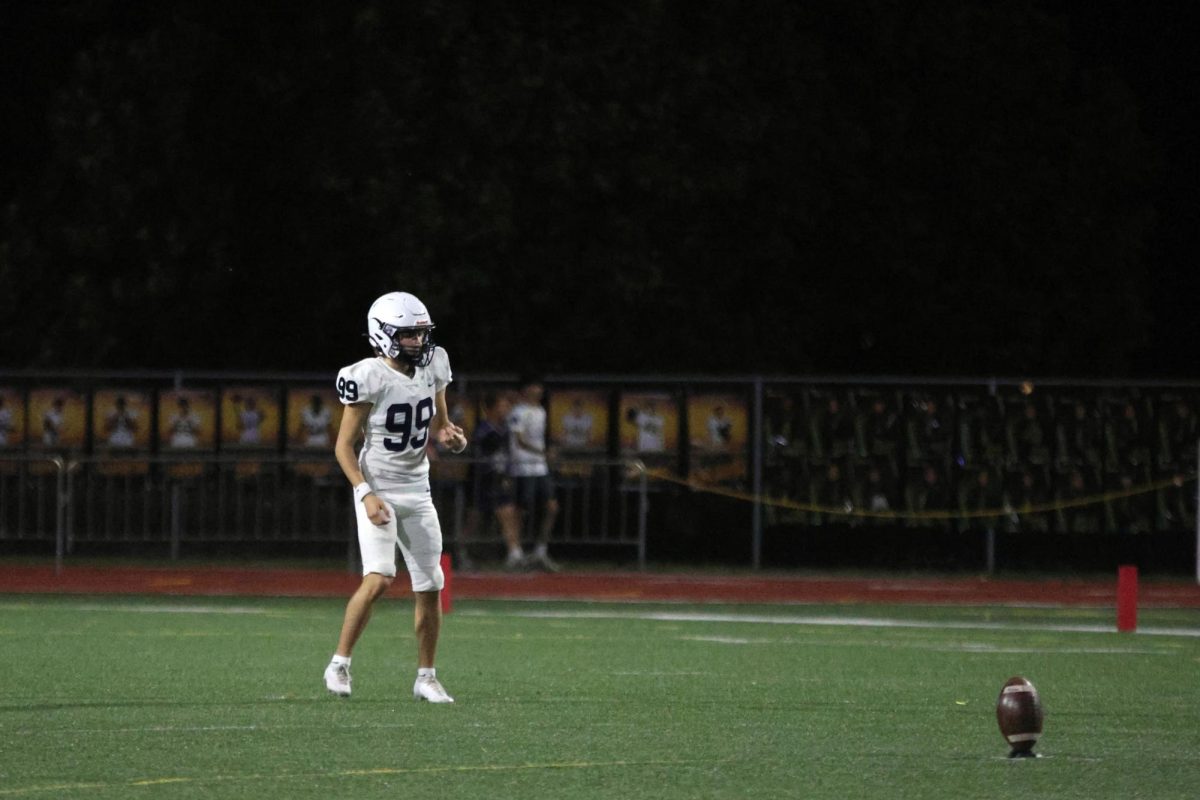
[1019,712]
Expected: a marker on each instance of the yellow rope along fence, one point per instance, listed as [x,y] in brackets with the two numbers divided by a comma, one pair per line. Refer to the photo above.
[1040,508]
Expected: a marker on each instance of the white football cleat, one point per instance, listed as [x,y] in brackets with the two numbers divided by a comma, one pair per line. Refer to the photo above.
[337,679]
[544,562]
[430,688]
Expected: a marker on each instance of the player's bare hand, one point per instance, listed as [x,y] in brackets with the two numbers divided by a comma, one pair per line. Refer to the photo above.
[377,510]
[452,436]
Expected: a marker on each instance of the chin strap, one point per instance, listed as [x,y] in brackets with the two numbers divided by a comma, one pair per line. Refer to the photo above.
[421,358]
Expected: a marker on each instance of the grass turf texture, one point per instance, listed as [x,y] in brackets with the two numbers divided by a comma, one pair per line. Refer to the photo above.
[210,698]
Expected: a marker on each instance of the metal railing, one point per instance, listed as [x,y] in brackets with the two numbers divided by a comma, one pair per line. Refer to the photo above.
[173,502]
[33,492]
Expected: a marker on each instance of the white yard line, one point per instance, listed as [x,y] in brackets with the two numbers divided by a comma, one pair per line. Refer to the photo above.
[141,609]
[824,621]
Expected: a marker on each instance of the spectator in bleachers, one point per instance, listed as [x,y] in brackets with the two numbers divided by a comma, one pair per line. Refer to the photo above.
[1080,438]
[1178,435]
[880,493]
[992,436]
[979,492]
[818,446]
[928,494]
[879,434]
[788,483]
[1027,492]
[1132,514]
[839,429]
[969,415]
[930,432]
[1028,438]
[786,456]
[829,489]
[785,434]
[1075,514]
[982,440]
[1177,506]
[1127,440]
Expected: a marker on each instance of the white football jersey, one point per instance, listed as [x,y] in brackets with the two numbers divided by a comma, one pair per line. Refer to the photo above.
[529,422]
[249,421]
[122,425]
[402,411]
[577,429]
[316,426]
[651,432]
[185,429]
[720,431]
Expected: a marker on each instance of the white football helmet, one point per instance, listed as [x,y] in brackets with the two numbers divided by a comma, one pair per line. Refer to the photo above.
[396,316]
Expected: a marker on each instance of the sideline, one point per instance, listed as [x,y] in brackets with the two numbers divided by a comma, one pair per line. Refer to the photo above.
[614,586]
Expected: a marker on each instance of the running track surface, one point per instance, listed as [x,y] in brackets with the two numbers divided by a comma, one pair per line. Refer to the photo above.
[601,586]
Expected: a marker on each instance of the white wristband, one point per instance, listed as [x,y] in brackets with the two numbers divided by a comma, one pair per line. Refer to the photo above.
[361,491]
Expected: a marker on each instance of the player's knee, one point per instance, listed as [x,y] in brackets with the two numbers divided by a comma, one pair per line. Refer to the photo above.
[552,506]
[376,583]
[430,579]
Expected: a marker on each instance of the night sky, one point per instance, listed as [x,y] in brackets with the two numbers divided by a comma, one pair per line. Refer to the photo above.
[1152,48]
[588,188]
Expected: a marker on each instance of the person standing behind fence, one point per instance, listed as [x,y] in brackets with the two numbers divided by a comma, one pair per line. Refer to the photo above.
[491,486]
[6,422]
[530,470]
[396,402]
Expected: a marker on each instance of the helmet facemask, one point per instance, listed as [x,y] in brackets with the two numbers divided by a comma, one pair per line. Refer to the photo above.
[418,355]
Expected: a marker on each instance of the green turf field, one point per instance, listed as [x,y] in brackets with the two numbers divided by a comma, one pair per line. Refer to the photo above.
[206,698]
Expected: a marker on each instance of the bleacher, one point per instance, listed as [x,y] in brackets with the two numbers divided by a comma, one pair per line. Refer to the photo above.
[687,468]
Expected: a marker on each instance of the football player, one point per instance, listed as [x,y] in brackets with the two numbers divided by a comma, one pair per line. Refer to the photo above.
[314,423]
[249,421]
[121,424]
[52,422]
[576,427]
[184,425]
[396,403]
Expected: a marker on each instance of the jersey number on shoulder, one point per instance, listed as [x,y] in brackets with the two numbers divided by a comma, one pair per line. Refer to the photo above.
[411,428]
[348,390]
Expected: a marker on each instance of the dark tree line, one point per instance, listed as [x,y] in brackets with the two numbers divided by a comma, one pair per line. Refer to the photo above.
[831,187]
